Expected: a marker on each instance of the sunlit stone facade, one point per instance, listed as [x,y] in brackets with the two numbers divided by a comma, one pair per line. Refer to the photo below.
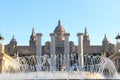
[12,48]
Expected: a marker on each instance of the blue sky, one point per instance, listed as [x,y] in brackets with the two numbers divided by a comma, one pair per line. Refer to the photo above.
[18,17]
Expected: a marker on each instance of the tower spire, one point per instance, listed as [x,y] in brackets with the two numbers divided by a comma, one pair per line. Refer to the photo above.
[86,33]
[105,38]
[13,37]
[86,40]
[13,41]
[33,32]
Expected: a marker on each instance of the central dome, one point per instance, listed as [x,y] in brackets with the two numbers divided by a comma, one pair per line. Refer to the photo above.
[59,31]
[59,28]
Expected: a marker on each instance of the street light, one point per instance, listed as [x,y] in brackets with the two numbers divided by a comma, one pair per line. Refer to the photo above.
[1,43]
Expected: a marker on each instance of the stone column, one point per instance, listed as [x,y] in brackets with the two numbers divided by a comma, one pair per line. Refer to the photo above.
[39,48]
[66,51]
[52,51]
[117,66]
[80,50]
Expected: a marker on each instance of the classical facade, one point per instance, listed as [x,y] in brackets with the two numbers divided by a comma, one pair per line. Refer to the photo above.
[116,56]
[12,48]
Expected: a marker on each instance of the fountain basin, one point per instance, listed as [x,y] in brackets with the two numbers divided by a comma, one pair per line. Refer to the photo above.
[51,75]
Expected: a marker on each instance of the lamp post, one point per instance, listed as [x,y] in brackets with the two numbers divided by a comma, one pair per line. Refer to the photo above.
[1,52]
[1,44]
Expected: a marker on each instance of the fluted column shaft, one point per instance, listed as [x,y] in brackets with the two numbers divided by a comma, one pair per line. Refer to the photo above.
[80,50]
[52,51]
[39,48]
[66,51]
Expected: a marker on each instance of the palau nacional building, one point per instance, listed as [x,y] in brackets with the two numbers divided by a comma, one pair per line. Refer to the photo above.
[61,38]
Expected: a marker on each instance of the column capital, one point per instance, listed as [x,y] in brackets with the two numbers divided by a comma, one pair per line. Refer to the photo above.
[79,34]
[39,34]
[66,34]
[52,34]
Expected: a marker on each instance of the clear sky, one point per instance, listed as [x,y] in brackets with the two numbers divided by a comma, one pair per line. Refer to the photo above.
[18,17]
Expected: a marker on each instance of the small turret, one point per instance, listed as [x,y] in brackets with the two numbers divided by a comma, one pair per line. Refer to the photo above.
[13,44]
[105,40]
[13,41]
[105,44]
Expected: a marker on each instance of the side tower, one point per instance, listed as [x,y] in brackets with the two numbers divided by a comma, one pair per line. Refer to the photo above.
[86,40]
[33,39]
